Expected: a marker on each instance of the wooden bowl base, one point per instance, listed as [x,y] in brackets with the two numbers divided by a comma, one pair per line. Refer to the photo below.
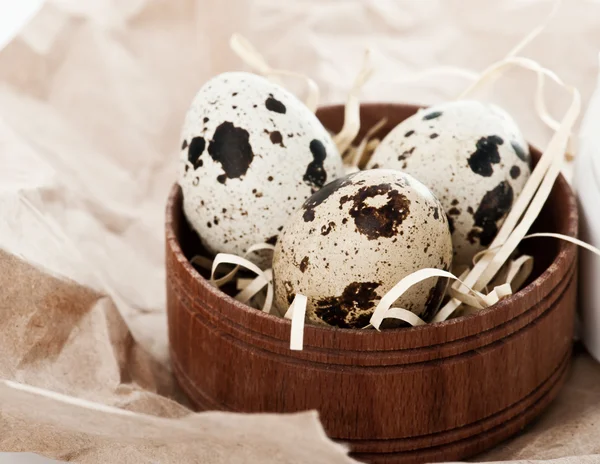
[451,445]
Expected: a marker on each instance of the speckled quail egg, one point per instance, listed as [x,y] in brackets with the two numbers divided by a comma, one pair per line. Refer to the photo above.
[472,156]
[352,241]
[251,154]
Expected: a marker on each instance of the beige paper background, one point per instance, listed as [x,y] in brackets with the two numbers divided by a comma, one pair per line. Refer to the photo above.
[92,95]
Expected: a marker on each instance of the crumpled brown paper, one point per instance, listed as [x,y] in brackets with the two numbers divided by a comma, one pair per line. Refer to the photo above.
[63,337]
[92,96]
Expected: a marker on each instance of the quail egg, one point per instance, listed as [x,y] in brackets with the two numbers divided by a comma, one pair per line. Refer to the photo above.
[353,240]
[251,153]
[472,156]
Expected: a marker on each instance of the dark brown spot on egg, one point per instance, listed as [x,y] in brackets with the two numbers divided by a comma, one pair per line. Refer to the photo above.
[320,196]
[383,221]
[436,212]
[231,148]
[375,166]
[304,264]
[327,228]
[184,145]
[494,206]
[470,210]
[454,211]
[276,138]
[485,155]
[272,240]
[520,152]
[454,202]
[205,120]
[270,178]
[342,311]
[315,174]
[409,133]
[432,115]
[405,154]
[515,172]
[434,136]
[275,105]
[195,150]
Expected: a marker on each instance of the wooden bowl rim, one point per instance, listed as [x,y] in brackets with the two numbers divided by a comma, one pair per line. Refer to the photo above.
[565,255]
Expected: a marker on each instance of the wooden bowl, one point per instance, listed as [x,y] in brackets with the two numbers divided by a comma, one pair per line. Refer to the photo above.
[436,392]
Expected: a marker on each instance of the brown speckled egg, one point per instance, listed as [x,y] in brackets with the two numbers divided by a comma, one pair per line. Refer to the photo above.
[251,153]
[354,240]
[472,156]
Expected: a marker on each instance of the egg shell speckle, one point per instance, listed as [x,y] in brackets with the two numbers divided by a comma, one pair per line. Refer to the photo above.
[472,156]
[251,153]
[354,240]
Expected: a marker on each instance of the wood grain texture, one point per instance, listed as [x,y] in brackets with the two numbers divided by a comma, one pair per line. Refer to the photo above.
[438,392]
